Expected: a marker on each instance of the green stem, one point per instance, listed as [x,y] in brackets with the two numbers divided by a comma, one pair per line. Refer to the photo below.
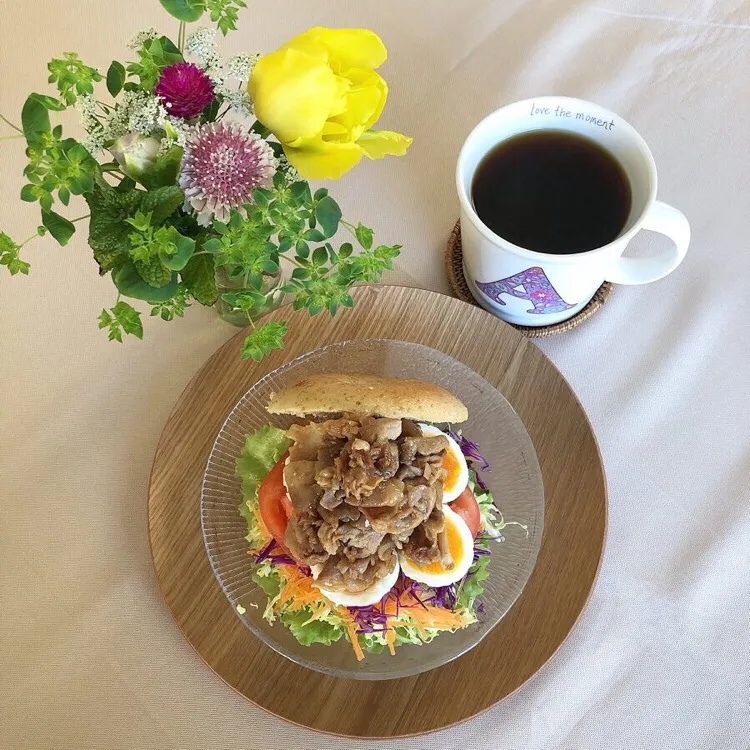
[8,122]
[28,239]
[80,218]
[350,228]
[181,36]
[10,137]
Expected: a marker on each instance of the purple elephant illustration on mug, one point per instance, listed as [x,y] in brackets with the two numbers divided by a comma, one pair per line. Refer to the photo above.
[531,284]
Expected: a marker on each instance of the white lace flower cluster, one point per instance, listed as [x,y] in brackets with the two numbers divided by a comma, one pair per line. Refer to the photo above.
[292,174]
[229,78]
[139,39]
[201,45]
[134,112]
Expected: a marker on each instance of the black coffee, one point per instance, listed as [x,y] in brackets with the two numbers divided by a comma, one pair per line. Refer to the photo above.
[553,192]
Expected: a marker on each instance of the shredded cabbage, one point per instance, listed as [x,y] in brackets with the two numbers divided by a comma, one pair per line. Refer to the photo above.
[491,519]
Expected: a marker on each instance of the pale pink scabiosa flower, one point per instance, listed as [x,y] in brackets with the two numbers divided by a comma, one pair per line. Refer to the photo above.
[185,90]
[221,167]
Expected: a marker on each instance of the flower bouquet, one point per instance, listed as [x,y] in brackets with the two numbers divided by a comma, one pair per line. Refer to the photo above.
[195,170]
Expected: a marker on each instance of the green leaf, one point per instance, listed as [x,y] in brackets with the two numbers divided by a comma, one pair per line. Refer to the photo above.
[121,318]
[29,193]
[346,250]
[262,196]
[211,111]
[129,282]
[153,272]
[127,185]
[184,10]
[34,119]
[199,276]
[319,256]
[328,215]
[185,249]
[9,256]
[129,318]
[173,307]
[115,78]
[108,232]
[264,340]
[320,193]
[240,300]
[162,202]
[301,192]
[364,235]
[164,171]
[72,76]
[59,227]
[64,195]
[49,102]
[314,235]
[81,183]
[259,128]
[303,249]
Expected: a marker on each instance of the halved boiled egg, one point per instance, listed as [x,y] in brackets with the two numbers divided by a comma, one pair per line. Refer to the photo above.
[364,598]
[461,546]
[453,462]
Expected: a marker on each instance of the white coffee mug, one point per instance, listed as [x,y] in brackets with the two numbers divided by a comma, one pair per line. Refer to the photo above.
[537,289]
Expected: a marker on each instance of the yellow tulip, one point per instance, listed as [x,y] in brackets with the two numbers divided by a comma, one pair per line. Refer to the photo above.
[319,95]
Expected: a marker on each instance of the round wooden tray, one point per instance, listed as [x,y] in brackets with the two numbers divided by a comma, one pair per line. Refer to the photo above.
[531,632]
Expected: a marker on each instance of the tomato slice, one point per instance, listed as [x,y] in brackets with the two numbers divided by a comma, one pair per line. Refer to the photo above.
[273,502]
[467,507]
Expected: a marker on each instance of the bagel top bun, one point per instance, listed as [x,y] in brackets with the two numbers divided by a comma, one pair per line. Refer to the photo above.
[368,395]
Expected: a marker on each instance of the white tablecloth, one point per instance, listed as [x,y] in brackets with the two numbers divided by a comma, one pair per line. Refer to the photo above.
[89,657]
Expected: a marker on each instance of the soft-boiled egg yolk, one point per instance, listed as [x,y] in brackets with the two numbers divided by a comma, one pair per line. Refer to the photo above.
[454,464]
[461,546]
[365,598]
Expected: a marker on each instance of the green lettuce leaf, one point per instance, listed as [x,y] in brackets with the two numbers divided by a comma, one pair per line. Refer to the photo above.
[308,633]
[472,587]
[262,449]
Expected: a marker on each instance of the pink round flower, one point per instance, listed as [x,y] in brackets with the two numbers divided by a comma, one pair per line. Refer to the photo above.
[185,89]
[221,167]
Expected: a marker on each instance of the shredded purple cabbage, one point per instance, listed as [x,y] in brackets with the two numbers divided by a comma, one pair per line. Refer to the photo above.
[278,559]
[373,619]
[266,552]
[470,450]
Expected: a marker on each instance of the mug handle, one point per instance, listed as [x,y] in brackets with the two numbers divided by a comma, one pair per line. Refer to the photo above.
[667,221]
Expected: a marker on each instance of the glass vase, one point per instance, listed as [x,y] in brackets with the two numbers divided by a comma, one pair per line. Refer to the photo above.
[271,287]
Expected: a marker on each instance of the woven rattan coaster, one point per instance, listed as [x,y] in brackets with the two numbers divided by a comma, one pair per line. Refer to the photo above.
[455,269]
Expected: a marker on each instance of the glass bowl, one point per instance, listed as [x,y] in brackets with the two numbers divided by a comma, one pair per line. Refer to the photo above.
[515,481]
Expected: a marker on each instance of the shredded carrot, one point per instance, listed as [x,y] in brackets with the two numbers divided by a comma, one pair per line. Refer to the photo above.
[351,629]
[390,639]
[298,592]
